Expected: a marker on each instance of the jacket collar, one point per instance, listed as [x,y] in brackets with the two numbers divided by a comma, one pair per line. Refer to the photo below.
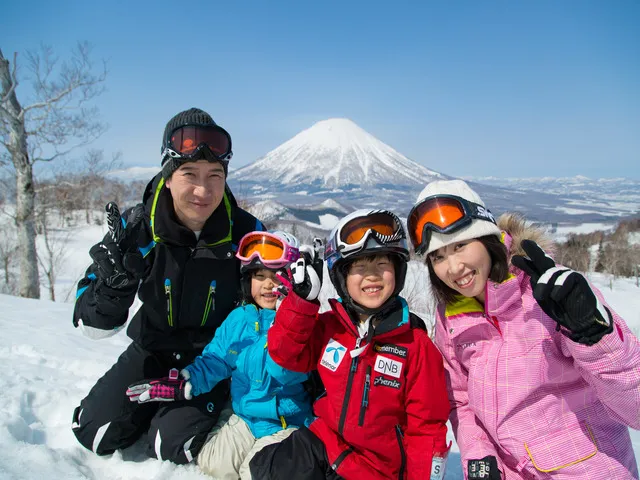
[395,321]
[259,319]
[498,298]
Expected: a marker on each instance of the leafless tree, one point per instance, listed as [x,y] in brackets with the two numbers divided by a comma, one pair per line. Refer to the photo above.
[55,250]
[8,248]
[59,119]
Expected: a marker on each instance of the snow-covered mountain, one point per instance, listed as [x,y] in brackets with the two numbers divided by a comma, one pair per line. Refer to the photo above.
[337,161]
[604,195]
[335,153]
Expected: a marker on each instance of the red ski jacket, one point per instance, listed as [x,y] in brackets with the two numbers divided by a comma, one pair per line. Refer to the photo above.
[386,405]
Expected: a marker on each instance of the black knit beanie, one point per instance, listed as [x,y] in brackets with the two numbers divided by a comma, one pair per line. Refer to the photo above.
[193,116]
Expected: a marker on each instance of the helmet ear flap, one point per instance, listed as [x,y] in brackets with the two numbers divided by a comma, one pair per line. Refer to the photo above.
[245,287]
[400,267]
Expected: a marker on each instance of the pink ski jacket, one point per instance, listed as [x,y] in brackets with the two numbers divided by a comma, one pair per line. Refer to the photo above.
[544,406]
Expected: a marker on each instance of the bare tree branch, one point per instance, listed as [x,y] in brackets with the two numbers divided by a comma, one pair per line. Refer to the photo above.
[58,121]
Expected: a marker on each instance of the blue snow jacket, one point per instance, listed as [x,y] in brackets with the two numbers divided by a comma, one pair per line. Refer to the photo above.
[239,350]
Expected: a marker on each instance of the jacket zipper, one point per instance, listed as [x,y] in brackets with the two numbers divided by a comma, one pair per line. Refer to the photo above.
[211,302]
[403,456]
[365,396]
[347,393]
[167,292]
[340,459]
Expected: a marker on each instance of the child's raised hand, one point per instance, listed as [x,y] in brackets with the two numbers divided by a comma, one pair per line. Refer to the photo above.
[564,295]
[285,279]
[307,271]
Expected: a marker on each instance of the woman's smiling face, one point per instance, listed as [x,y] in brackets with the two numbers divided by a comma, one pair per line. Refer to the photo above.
[464,267]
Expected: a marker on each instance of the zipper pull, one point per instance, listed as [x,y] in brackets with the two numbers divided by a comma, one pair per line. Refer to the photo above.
[212,292]
[367,386]
[167,292]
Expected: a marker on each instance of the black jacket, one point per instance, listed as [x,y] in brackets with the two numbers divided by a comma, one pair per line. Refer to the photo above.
[189,286]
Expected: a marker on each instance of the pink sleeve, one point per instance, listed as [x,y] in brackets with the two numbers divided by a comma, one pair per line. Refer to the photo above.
[612,367]
[472,438]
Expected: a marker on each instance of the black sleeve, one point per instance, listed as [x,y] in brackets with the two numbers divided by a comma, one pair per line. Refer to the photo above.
[99,309]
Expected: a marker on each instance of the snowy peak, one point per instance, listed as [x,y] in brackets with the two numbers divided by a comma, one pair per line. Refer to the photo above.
[336,153]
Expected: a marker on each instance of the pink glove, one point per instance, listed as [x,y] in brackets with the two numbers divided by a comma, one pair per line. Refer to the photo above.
[168,389]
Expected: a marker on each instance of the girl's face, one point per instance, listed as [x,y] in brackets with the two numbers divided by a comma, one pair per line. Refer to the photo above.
[371,281]
[262,283]
[463,267]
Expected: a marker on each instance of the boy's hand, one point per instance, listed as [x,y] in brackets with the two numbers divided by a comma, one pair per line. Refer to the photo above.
[564,295]
[483,469]
[119,263]
[307,271]
[167,389]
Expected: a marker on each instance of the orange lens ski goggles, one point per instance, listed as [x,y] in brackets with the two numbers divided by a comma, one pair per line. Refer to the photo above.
[355,230]
[270,249]
[442,214]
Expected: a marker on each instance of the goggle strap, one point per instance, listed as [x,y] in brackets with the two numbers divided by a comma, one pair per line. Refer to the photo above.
[482,213]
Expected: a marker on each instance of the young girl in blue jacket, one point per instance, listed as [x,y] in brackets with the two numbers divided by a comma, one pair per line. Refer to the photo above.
[269,402]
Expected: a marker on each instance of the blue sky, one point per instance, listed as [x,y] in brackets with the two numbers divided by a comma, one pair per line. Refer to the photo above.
[468,88]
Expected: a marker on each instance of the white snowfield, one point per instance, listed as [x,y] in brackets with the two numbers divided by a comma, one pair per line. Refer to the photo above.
[48,367]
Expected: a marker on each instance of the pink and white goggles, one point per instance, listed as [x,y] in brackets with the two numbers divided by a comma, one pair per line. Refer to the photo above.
[270,250]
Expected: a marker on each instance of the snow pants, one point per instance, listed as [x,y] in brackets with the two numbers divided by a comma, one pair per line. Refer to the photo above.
[301,456]
[107,420]
[231,446]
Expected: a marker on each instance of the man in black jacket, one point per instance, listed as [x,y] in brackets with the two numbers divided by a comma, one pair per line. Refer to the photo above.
[176,250]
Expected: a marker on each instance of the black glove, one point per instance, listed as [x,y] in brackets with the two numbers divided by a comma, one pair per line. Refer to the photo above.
[564,295]
[485,469]
[119,263]
[306,272]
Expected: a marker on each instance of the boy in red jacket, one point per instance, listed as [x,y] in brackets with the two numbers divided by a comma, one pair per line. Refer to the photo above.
[385,409]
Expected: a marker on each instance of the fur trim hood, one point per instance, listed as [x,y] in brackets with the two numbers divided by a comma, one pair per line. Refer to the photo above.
[520,229]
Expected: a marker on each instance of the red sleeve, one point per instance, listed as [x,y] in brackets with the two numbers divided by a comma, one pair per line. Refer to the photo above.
[427,406]
[297,336]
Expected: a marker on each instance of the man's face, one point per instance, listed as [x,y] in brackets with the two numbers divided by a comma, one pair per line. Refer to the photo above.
[197,189]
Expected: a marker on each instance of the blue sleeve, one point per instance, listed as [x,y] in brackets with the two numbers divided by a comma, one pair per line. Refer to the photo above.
[218,359]
[282,375]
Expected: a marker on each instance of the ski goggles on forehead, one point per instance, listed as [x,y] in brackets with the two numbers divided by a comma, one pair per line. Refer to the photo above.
[383,226]
[210,142]
[271,250]
[442,214]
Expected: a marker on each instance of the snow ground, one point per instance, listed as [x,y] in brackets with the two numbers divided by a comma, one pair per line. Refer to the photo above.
[49,367]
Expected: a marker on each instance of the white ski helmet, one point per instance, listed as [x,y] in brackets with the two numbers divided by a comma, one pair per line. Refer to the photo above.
[362,233]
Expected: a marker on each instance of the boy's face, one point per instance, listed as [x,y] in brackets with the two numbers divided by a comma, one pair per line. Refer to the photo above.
[371,280]
[262,283]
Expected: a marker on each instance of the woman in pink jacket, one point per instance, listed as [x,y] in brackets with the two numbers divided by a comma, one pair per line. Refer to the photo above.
[543,376]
